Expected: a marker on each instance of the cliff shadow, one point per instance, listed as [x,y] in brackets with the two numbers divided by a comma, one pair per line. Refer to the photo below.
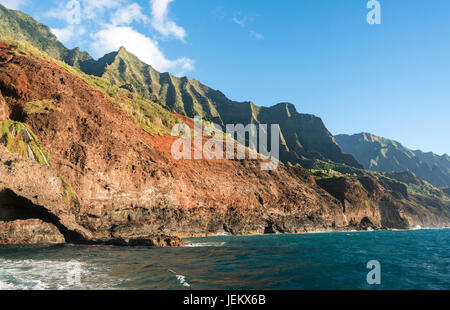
[14,207]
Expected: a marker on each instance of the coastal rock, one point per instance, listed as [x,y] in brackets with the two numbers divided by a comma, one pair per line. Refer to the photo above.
[366,203]
[155,241]
[30,231]
[29,190]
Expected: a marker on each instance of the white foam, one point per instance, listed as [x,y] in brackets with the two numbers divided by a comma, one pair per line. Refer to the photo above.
[205,244]
[49,275]
[180,278]
[221,234]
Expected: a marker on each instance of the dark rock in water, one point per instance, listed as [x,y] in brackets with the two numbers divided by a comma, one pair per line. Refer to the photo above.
[154,241]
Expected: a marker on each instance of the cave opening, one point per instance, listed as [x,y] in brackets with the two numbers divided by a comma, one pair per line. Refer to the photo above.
[14,207]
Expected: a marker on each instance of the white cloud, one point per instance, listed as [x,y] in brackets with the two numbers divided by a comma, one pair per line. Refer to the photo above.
[256,35]
[146,49]
[243,21]
[13,4]
[240,22]
[68,34]
[128,14]
[161,21]
[92,8]
[89,9]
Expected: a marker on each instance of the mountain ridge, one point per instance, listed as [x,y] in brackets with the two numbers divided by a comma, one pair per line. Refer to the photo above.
[307,136]
[386,155]
[14,22]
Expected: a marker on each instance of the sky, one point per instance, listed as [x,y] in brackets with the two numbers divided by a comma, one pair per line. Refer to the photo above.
[390,79]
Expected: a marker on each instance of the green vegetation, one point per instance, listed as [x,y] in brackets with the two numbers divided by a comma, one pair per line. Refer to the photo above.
[323,170]
[427,189]
[148,115]
[24,28]
[19,138]
[21,27]
[413,184]
[39,107]
[68,194]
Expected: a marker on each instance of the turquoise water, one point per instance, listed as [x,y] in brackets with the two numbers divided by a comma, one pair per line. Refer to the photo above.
[418,259]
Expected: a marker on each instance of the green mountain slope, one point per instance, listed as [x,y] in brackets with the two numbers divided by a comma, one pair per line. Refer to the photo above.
[21,27]
[302,136]
[384,155]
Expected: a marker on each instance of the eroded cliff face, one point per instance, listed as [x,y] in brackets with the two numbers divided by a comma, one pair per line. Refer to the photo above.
[366,203]
[35,207]
[32,231]
[29,190]
[109,181]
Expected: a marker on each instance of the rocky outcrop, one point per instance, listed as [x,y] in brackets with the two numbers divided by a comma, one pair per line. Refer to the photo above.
[35,208]
[29,190]
[366,203]
[154,241]
[31,231]
[422,211]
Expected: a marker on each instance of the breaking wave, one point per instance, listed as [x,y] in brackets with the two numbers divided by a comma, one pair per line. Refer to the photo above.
[205,244]
[180,278]
[51,275]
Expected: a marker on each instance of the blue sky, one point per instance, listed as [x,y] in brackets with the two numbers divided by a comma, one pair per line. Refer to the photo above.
[391,79]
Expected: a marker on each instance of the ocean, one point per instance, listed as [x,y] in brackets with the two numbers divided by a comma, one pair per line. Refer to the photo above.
[415,259]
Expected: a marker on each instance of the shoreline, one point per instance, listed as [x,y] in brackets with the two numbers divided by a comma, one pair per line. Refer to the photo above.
[315,232]
[188,244]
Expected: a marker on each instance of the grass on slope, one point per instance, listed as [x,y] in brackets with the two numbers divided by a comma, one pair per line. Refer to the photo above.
[148,115]
[23,27]
[324,170]
[14,135]
[39,107]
